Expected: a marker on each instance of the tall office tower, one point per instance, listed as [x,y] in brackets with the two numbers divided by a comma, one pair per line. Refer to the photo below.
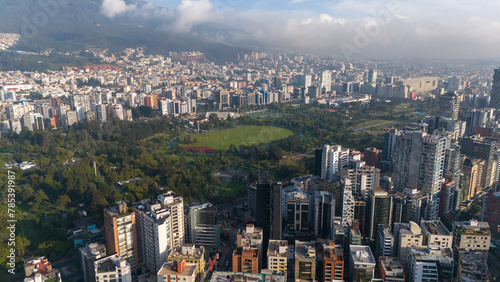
[71,118]
[431,264]
[378,211]
[175,205]
[324,213]
[406,236]
[333,262]
[372,76]
[495,90]
[27,122]
[205,230]
[450,195]
[154,234]
[305,260]
[491,211]
[406,161]
[389,145]
[118,112]
[332,160]
[298,215]
[347,202]
[481,148]
[471,242]
[385,242]
[277,256]
[360,212]
[326,81]
[100,112]
[364,178]
[430,175]
[303,80]
[89,254]
[449,105]
[473,170]
[275,218]
[222,98]
[121,233]
[361,263]
[113,267]
[390,269]
[478,118]
[372,157]
[436,234]
[410,205]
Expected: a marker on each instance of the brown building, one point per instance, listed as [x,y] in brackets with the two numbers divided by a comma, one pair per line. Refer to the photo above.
[246,260]
[492,211]
[473,171]
[120,220]
[390,269]
[372,157]
[333,262]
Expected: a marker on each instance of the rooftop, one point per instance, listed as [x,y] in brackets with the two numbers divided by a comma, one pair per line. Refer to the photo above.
[169,268]
[335,252]
[305,250]
[435,227]
[218,276]
[188,252]
[429,254]
[472,227]
[277,248]
[392,267]
[362,255]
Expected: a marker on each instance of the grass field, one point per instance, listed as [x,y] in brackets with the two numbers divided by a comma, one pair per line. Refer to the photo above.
[247,135]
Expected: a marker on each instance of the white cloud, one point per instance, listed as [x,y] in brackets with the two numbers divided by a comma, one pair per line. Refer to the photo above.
[112,8]
[192,12]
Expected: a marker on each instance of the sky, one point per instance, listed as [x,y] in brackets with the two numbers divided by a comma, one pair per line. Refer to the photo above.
[450,29]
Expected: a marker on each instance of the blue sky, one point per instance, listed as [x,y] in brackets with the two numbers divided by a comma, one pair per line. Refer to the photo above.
[370,28]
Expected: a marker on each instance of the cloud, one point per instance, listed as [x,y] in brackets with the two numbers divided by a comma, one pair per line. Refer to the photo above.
[192,12]
[112,8]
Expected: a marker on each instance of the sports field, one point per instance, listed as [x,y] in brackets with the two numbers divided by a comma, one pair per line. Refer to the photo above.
[247,135]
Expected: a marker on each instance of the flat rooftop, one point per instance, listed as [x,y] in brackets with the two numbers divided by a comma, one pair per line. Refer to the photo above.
[187,252]
[219,276]
[361,254]
[436,227]
[277,248]
[305,250]
[188,271]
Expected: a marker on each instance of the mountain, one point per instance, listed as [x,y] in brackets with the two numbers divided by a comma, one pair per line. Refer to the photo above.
[73,25]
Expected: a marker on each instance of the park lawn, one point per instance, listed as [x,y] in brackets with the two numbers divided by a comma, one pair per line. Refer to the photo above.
[247,135]
[231,190]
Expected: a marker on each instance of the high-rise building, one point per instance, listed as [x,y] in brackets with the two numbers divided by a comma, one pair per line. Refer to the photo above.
[89,254]
[379,211]
[205,230]
[481,148]
[419,163]
[495,90]
[246,260]
[436,234]
[372,157]
[390,269]
[407,236]
[471,242]
[364,178]
[298,215]
[154,234]
[71,118]
[277,256]
[324,213]
[326,81]
[332,160]
[478,118]
[372,76]
[333,262]
[113,267]
[175,205]
[361,263]
[449,105]
[305,261]
[385,242]
[121,234]
[473,170]
[347,202]
[251,237]
[429,264]
[491,211]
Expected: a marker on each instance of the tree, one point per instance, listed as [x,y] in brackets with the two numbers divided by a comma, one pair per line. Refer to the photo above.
[62,201]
